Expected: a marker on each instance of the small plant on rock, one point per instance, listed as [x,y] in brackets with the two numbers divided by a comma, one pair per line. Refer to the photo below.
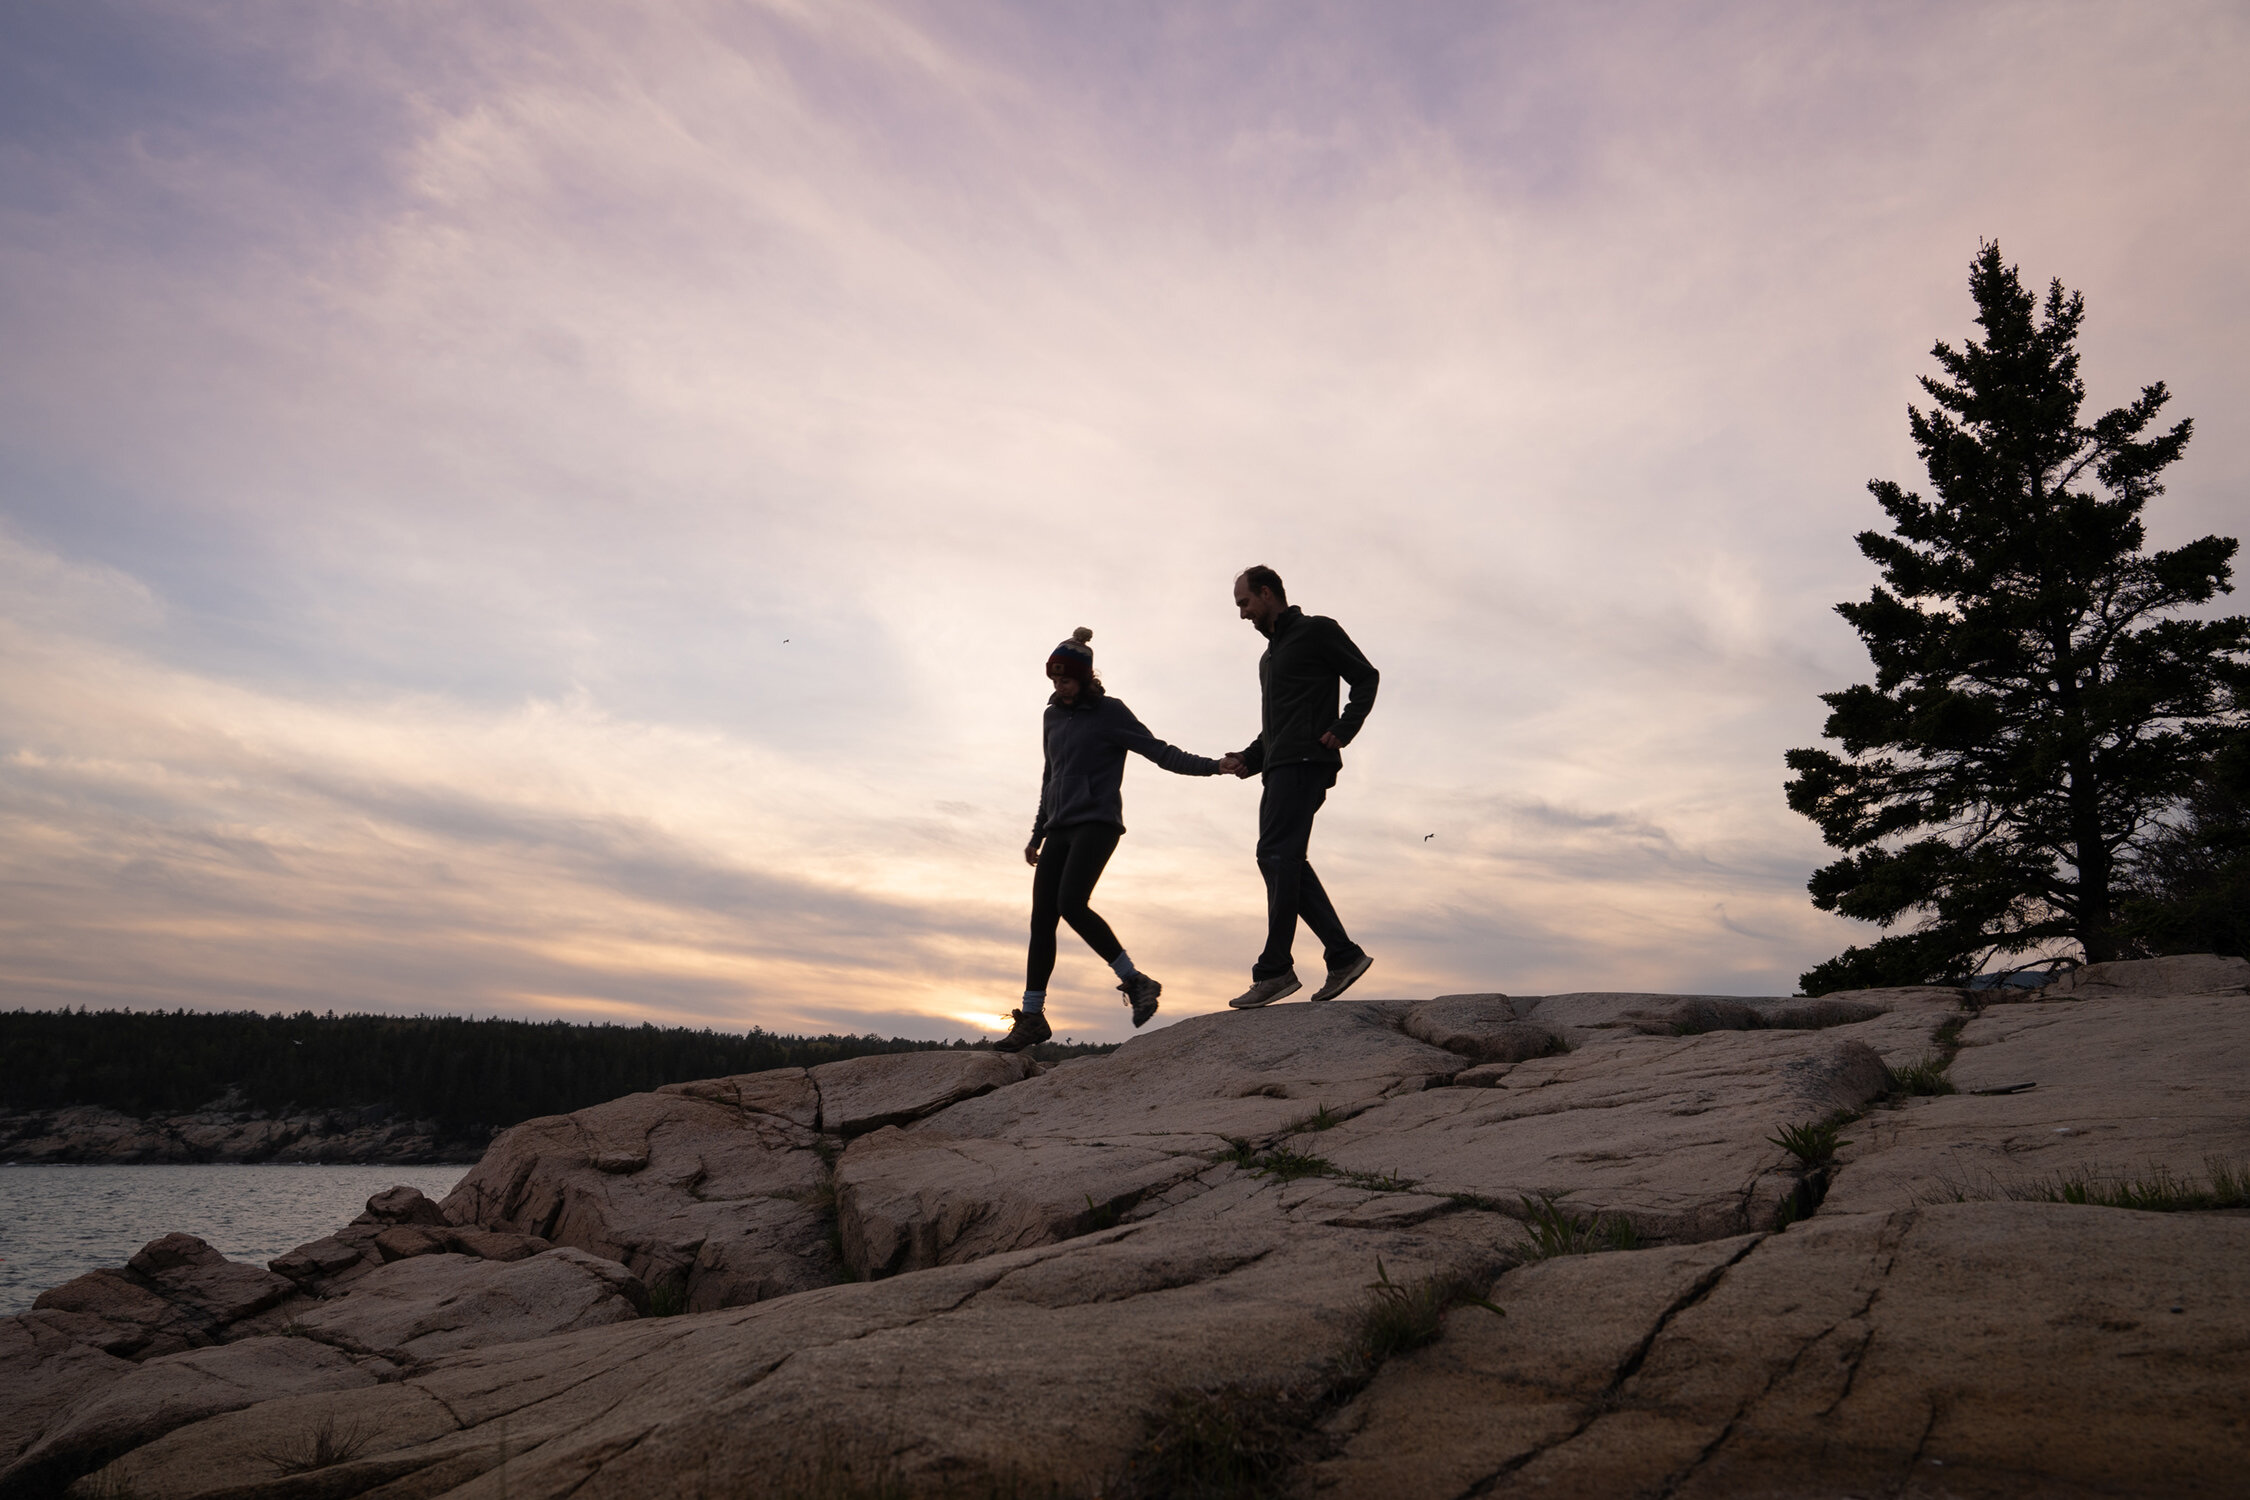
[1398,1316]
[1921,1079]
[668,1297]
[1551,1230]
[327,1443]
[1815,1144]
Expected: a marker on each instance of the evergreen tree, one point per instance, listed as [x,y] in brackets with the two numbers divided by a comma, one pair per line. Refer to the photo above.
[2038,705]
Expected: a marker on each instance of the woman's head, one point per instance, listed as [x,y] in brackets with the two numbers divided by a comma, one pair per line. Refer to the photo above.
[1070,666]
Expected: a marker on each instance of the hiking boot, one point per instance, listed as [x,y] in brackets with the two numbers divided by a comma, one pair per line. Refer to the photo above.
[1030,1030]
[1265,992]
[1340,980]
[1140,993]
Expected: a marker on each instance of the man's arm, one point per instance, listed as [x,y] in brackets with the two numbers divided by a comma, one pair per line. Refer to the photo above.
[1338,652]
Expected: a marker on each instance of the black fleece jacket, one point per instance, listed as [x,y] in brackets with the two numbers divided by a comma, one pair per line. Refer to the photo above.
[1085,774]
[1297,676]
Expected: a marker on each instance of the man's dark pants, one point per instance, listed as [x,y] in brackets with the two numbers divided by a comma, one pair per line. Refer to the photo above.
[1285,818]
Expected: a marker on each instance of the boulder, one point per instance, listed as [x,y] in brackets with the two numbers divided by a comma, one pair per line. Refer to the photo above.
[415,1310]
[1481,1028]
[47,1366]
[726,1201]
[170,1391]
[403,1205]
[175,1293]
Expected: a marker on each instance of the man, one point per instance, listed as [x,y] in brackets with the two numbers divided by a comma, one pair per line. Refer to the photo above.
[1296,749]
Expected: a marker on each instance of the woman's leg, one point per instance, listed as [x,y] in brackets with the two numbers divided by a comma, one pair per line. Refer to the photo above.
[1090,848]
[1046,908]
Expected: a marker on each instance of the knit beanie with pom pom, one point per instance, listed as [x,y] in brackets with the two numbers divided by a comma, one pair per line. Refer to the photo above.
[1076,655]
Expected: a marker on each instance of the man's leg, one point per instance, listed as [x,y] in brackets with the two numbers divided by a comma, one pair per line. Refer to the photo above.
[1292,795]
[1337,948]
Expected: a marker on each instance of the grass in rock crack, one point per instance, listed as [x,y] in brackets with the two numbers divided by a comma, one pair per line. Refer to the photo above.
[328,1442]
[1398,1316]
[1284,1163]
[1814,1144]
[1922,1078]
[668,1296]
[1322,1118]
[2155,1189]
[1551,1229]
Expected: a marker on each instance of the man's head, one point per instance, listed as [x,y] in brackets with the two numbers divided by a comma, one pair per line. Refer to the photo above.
[1259,596]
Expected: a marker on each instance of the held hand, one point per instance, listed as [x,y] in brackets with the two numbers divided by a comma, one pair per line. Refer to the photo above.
[1329,739]
[1031,853]
[1230,764]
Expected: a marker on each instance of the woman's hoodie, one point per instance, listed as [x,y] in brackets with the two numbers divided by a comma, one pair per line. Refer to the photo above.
[1086,745]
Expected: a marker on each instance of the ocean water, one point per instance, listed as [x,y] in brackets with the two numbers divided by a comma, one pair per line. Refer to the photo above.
[60,1222]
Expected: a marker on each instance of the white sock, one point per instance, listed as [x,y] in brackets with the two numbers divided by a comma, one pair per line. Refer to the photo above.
[1034,1002]
[1122,966]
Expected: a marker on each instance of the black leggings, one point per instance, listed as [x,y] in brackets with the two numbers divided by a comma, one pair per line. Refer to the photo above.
[1069,865]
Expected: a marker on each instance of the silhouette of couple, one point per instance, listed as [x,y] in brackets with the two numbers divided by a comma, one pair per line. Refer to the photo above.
[1081,802]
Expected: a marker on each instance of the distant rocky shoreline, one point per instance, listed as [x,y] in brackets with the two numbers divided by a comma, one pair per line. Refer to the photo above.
[229,1130]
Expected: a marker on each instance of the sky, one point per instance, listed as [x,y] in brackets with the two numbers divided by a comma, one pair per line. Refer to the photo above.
[559,509]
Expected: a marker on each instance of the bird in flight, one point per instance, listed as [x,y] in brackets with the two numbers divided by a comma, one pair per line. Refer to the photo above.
[1427,837]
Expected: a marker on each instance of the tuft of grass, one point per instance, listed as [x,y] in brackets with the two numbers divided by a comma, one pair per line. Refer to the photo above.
[1380,1182]
[1285,1164]
[2155,1190]
[1922,1078]
[1399,1316]
[327,1443]
[1322,1118]
[1098,1217]
[1550,1230]
[668,1298]
[1227,1444]
[1814,1144]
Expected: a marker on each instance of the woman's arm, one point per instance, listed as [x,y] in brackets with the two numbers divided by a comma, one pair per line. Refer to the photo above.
[1131,734]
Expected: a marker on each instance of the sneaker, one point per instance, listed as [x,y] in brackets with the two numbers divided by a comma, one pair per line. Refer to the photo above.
[1030,1030]
[1340,980]
[1140,993]
[1265,992]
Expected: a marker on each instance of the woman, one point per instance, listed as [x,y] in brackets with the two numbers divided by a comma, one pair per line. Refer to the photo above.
[1081,817]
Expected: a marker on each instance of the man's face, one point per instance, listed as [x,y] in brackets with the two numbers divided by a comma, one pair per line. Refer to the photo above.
[1260,608]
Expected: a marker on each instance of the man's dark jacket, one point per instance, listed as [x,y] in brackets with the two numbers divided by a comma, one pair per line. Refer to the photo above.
[1305,655]
[1086,745]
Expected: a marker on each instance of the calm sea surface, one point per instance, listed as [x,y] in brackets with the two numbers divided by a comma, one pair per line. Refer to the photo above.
[58,1222]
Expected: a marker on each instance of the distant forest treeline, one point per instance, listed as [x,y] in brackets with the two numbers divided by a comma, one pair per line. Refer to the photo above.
[460,1073]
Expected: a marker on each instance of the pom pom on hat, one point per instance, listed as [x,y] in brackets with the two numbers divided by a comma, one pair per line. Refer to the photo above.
[1075,649]
[1082,635]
